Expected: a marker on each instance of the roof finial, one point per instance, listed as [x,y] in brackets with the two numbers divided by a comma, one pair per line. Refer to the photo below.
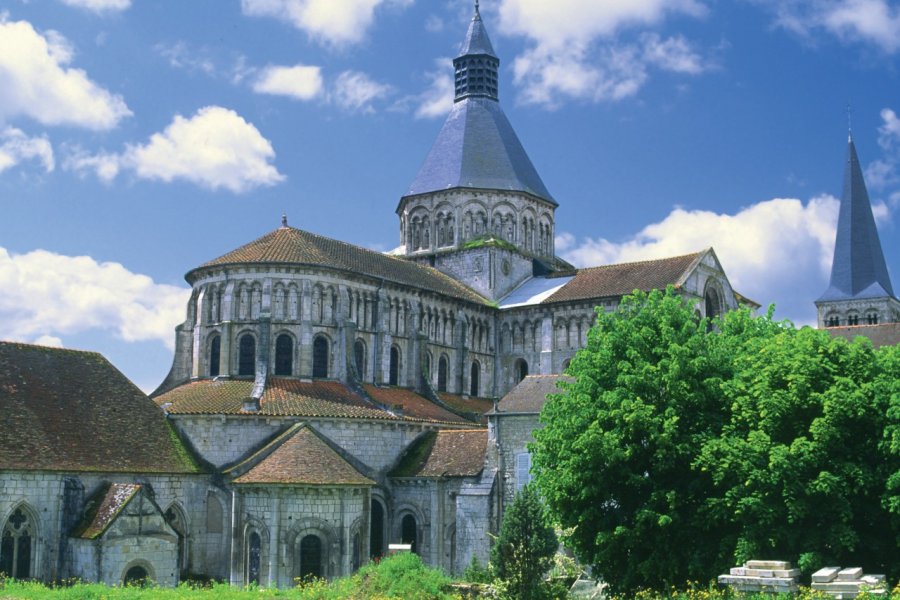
[849,123]
[477,12]
[284,220]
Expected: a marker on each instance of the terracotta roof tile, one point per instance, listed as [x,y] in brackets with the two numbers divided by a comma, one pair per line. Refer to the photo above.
[103,508]
[450,453]
[284,397]
[478,406]
[530,394]
[412,405]
[72,410]
[303,458]
[287,245]
[622,279]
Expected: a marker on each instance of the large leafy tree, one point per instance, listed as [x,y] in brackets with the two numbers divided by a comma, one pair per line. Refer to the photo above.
[681,449]
[614,458]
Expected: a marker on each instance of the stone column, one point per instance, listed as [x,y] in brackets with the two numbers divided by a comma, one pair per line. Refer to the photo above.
[275,541]
[237,562]
[546,345]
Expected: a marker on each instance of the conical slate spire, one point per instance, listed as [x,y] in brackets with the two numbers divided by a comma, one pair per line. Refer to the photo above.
[476,65]
[859,269]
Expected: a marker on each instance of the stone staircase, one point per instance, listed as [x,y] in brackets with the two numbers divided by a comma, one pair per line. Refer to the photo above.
[771,576]
[847,583]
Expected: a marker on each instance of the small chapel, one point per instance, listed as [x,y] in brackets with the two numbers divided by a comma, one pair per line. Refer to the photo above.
[326,400]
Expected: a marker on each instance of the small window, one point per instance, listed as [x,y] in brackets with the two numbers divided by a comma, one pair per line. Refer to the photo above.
[872,319]
[394,369]
[852,319]
[284,355]
[523,470]
[247,355]
[443,367]
[521,369]
[474,383]
[359,357]
[215,352]
[320,357]
[409,531]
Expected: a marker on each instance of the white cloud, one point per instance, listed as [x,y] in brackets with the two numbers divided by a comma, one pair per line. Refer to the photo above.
[35,82]
[335,22]
[884,173]
[99,6]
[182,56]
[437,100]
[44,295]
[355,91]
[578,58]
[774,251]
[889,132]
[875,22]
[15,147]
[301,82]
[216,148]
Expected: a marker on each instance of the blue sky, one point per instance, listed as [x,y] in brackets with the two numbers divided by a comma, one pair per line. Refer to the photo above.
[140,139]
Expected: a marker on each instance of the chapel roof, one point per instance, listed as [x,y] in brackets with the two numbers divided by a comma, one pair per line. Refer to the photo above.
[530,395]
[858,270]
[449,453]
[286,397]
[292,246]
[103,508]
[69,410]
[301,457]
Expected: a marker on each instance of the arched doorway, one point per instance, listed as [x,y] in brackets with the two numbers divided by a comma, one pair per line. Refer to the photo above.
[136,576]
[309,558]
[247,355]
[474,383]
[409,532]
[320,357]
[284,355]
[17,545]
[376,530]
[394,369]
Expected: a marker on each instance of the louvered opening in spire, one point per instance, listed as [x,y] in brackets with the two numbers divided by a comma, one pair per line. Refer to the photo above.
[476,66]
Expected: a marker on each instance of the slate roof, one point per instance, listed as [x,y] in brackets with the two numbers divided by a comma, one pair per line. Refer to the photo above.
[858,269]
[477,406]
[884,334]
[291,246]
[69,410]
[478,148]
[103,508]
[285,397]
[477,40]
[452,453]
[302,458]
[622,279]
[530,395]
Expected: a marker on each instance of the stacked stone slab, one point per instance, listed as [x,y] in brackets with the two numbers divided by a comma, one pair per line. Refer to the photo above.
[847,583]
[773,576]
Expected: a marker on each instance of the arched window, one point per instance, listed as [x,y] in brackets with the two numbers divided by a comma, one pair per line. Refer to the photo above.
[853,319]
[832,321]
[521,368]
[17,545]
[409,532]
[310,557]
[175,519]
[713,303]
[247,355]
[376,530]
[443,367]
[359,357]
[474,383]
[215,352]
[254,557]
[872,318]
[320,357]
[284,355]
[394,368]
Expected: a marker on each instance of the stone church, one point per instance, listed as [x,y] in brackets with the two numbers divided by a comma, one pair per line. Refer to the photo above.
[325,400]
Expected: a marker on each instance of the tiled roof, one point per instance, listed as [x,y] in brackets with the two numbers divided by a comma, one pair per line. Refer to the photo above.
[477,406]
[103,508]
[68,410]
[885,334]
[287,245]
[284,397]
[411,404]
[303,458]
[624,278]
[530,394]
[452,453]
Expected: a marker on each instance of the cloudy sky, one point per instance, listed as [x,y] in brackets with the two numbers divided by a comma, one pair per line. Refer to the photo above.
[139,139]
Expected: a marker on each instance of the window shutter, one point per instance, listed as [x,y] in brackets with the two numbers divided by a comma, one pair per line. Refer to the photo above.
[523,470]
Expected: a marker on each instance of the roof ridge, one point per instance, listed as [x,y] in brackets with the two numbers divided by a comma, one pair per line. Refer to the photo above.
[645,261]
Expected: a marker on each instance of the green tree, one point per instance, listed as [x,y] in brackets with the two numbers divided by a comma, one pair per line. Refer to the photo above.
[614,458]
[523,552]
[681,449]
